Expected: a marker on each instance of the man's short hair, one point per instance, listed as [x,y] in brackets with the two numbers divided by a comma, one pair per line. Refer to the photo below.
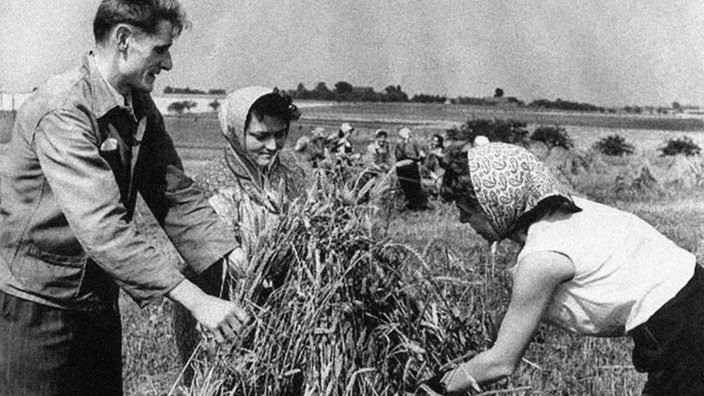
[144,14]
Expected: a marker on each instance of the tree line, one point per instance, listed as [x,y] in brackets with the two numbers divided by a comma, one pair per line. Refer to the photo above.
[193,91]
[343,91]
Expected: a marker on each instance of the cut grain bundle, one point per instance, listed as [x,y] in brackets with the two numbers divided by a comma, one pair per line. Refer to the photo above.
[338,310]
[638,182]
[683,172]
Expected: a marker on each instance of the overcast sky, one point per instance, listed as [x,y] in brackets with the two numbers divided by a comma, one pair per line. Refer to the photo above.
[606,52]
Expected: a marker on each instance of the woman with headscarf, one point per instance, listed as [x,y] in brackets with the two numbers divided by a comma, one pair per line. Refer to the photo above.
[408,156]
[586,267]
[340,147]
[252,183]
[311,148]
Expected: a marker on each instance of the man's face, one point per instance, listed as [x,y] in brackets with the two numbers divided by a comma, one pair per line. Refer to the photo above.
[264,138]
[147,55]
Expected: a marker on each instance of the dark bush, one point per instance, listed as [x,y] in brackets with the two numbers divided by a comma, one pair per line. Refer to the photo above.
[552,136]
[507,131]
[176,107]
[614,145]
[179,107]
[683,145]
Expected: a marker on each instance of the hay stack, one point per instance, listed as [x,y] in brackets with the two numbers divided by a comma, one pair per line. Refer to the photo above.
[573,168]
[682,171]
[637,182]
[339,309]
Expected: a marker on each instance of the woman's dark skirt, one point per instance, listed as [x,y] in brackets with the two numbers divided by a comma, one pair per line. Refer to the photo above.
[670,345]
[409,179]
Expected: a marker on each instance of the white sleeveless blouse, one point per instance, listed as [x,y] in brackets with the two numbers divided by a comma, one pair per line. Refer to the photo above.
[625,270]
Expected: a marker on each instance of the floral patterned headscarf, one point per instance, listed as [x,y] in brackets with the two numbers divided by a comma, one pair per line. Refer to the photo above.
[509,181]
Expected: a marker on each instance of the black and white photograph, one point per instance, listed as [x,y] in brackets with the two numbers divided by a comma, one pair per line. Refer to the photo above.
[341,198]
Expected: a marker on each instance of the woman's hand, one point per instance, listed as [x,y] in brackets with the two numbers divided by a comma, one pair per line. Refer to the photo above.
[537,277]
[459,381]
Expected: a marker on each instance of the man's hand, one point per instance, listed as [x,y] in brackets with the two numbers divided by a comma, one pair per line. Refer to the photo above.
[223,319]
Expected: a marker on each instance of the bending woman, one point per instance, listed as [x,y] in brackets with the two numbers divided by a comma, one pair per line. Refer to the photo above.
[586,267]
[249,185]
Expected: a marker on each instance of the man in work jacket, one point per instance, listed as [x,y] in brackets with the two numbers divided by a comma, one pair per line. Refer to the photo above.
[84,144]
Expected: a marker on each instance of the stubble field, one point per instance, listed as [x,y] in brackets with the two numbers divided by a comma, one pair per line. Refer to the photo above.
[556,363]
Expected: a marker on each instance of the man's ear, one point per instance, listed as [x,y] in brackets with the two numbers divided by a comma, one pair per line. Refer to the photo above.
[122,35]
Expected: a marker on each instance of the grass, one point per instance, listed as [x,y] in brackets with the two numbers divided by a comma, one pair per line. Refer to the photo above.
[646,132]
[556,363]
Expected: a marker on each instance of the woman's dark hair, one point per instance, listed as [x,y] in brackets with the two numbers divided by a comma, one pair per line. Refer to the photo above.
[456,181]
[546,206]
[144,14]
[275,105]
[440,139]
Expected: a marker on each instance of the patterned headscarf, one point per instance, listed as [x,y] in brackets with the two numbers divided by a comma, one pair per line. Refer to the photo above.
[509,181]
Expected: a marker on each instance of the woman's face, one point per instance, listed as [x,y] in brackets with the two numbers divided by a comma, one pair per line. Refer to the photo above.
[470,214]
[381,140]
[264,138]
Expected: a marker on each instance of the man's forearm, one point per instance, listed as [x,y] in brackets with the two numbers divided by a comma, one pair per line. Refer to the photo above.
[187,294]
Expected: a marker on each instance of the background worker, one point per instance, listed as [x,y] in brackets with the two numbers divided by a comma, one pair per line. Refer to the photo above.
[408,155]
[312,148]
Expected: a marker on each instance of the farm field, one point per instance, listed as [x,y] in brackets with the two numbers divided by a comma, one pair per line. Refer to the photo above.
[199,134]
[556,363]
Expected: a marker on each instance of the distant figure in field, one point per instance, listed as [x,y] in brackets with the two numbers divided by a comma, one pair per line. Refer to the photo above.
[340,143]
[480,140]
[408,156]
[432,169]
[248,186]
[379,152]
[377,165]
[312,148]
[341,149]
[588,268]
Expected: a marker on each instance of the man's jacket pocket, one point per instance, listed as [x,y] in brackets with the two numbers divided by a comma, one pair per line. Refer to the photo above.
[50,275]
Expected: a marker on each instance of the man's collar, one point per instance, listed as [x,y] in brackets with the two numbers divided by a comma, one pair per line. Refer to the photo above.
[105,96]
